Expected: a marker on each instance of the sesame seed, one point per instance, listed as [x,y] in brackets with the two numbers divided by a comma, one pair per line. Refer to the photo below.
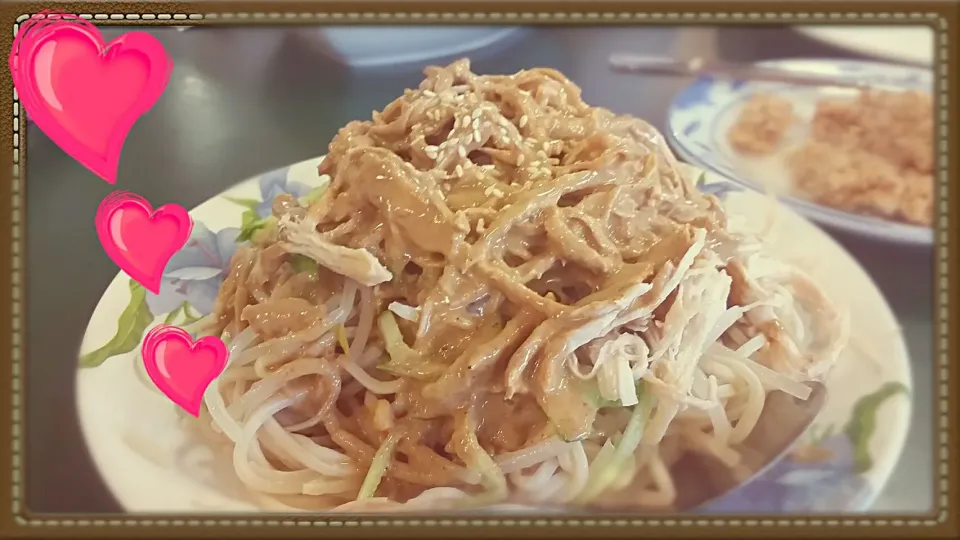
[476,123]
[476,135]
[462,151]
[469,138]
[429,93]
[520,159]
[523,120]
[490,189]
[477,113]
[459,170]
[481,225]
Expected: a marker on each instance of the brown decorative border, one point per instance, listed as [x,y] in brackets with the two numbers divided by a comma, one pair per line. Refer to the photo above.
[17,520]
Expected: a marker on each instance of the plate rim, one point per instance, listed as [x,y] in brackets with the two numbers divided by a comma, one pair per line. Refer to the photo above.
[865,226]
[894,449]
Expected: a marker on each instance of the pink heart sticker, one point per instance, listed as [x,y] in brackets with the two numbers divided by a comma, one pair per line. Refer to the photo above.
[84,95]
[139,240]
[181,368]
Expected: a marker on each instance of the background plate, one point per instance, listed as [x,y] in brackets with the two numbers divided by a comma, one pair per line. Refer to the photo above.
[702,114]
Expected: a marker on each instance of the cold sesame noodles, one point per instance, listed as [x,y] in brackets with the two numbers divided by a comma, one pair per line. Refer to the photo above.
[503,295]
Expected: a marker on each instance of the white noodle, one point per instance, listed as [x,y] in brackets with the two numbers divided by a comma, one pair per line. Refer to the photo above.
[531,455]
[365,379]
[256,475]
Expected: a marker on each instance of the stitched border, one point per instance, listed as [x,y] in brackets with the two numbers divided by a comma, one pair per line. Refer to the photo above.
[941,298]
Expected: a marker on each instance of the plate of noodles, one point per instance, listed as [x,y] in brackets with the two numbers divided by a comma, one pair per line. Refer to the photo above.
[492,294]
[862,162]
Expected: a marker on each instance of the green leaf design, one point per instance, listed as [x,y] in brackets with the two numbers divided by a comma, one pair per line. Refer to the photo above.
[863,423]
[249,204]
[189,318]
[184,310]
[172,316]
[133,322]
[702,179]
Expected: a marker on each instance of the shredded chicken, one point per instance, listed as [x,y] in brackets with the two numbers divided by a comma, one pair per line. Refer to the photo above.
[300,237]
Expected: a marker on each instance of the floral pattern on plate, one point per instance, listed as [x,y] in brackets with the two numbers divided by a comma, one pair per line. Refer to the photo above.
[827,472]
[194,274]
[823,473]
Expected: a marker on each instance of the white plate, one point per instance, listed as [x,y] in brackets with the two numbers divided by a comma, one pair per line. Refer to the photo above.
[702,114]
[153,463]
[912,44]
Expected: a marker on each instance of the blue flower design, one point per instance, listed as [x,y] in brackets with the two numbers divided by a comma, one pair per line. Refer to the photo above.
[276,183]
[696,94]
[793,485]
[690,129]
[195,273]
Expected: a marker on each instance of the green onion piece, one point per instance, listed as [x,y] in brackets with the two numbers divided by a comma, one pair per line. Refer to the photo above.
[603,473]
[302,263]
[378,467]
[342,339]
[314,195]
[404,361]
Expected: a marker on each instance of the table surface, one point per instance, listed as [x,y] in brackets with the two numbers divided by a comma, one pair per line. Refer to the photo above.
[247,100]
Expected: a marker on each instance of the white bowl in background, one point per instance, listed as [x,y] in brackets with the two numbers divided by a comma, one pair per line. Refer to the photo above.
[373,46]
[909,44]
